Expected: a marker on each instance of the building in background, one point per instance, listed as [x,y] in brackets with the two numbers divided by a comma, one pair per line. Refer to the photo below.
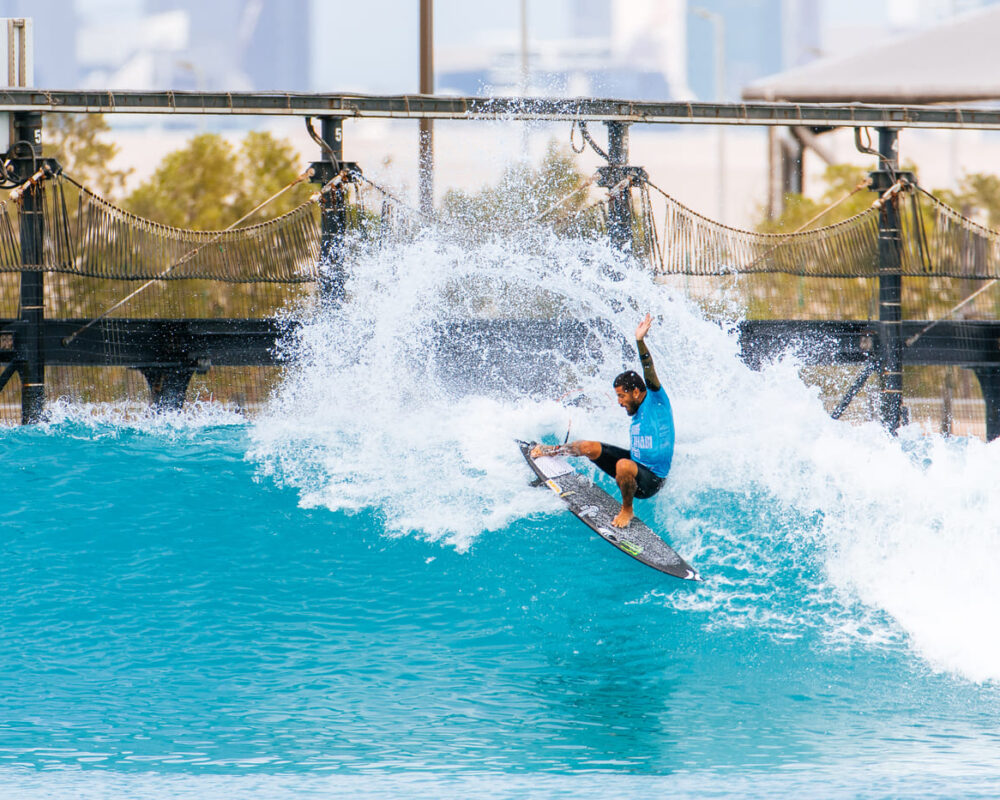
[169,44]
[238,45]
[618,48]
[765,37]
[55,26]
[755,41]
[643,49]
[851,26]
[802,32]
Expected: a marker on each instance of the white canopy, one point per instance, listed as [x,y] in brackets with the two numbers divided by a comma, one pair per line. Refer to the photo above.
[956,61]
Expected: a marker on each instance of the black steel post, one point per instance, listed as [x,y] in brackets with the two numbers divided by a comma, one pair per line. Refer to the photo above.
[989,382]
[331,129]
[620,198]
[167,386]
[890,284]
[333,214]
[27,153]
[425,158]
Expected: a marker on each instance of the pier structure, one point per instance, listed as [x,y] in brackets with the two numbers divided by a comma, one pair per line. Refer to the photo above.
[168,351]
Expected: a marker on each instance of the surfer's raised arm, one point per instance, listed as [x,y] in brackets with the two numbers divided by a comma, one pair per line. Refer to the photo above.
[640,470]
[645,358]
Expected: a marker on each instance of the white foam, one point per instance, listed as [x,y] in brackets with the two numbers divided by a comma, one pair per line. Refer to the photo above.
[909,525]
[905,527]
[113,417]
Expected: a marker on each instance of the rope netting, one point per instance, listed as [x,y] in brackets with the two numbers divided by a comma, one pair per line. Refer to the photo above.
[95,254]
[950,268]
[940,241]
[97,239]
[87,235]
[937,240]
[691,244]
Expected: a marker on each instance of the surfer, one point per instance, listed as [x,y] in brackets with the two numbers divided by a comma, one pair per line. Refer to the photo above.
[640,472]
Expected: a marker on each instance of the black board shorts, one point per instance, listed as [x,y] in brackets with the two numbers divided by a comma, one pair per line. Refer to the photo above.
[647,482]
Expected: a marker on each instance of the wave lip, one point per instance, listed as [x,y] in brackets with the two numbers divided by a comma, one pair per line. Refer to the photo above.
[895,535]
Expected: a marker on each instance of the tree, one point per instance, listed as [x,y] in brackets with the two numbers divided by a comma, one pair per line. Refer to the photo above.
[193,187]
[76,142]
[978,193]
[841,180]
[783,295]
[209,184]
[265,166]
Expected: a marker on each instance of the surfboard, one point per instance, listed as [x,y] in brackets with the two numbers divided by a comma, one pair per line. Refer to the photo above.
[596,508]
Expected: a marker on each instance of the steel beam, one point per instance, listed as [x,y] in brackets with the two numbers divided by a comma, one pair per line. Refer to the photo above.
[963,343]
[989,383]
[847,115]
[174,348]
[252,342]
[141,343]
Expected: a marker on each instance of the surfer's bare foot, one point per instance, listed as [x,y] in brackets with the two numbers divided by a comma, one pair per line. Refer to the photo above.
[623,519]
[553,450]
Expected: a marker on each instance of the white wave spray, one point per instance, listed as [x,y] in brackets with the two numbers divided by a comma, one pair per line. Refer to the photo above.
[377,414]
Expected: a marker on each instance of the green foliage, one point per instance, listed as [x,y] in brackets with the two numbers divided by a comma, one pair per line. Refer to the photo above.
[778,296]
[978,194]
[76,142]
[193,187]
[800,212]
[209,184]
[265,166]
[522,194]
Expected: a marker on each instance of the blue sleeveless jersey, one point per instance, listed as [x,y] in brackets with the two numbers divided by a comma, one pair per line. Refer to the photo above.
[652,433]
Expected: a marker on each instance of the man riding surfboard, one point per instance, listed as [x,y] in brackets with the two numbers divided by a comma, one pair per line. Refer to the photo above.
[640,471]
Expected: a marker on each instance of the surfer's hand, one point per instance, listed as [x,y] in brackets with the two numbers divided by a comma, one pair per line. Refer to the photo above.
[643,328]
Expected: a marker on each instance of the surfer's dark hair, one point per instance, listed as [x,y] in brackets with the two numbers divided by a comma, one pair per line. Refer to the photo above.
[630,380]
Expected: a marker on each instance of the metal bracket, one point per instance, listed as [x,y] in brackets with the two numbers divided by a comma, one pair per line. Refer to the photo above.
[883,180]
[324,172]
[16,168]
[869,369]
[611,176]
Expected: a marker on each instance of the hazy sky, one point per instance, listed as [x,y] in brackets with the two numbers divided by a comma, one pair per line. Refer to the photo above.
[373,45]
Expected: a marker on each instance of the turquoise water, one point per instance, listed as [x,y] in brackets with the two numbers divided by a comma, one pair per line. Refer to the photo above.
[359,592]
[167,616]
